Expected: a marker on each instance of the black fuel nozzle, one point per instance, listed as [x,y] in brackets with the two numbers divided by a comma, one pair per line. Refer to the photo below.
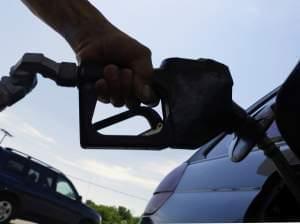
[195,96]
[187,88]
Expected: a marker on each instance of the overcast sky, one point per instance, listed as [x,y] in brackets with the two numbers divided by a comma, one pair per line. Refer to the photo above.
[258,40]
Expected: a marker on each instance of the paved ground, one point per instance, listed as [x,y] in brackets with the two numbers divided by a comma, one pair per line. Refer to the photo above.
[21,222]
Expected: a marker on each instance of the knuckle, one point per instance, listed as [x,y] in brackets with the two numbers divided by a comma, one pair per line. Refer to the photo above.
[110,68]
[117,103]
[147,51]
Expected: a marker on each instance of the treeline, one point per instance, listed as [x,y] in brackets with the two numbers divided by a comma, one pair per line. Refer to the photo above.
[113,215]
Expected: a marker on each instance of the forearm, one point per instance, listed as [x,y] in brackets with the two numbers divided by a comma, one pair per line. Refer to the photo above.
[73,19]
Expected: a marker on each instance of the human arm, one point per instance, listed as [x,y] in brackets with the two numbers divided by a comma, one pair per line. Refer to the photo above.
[127,63]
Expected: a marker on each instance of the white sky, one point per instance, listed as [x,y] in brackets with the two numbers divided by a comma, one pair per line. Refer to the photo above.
[258,40]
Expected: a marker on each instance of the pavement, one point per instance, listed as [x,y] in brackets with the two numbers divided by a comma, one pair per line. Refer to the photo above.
[20,222]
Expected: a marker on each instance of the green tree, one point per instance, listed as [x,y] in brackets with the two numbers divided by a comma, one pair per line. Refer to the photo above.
[113,215]
[124,213]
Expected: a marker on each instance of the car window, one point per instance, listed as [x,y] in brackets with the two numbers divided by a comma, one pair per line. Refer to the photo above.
[221,148]
[64,188]
[33,175]
[15,166]
[265,105]
[273,131]
[48,182]
[47,179]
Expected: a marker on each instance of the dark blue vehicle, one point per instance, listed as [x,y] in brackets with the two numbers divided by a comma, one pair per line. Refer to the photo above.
[34,191]
[211,188]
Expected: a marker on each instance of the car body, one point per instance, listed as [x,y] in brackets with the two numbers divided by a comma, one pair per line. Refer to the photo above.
[35,191]
[209,187]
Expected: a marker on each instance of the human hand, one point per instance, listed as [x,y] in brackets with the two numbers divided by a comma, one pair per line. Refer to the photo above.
[127,63]
[127,67]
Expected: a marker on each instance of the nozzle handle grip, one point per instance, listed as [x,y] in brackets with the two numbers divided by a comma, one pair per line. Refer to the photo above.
[90,133]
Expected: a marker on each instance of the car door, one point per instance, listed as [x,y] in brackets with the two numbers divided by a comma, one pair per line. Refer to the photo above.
[66,201]
[39,189]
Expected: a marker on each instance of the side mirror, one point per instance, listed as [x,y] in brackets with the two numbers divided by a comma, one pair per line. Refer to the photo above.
[79,198]
[288,110]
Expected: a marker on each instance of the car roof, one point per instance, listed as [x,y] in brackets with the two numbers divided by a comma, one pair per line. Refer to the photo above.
[31,159]
[262,100]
